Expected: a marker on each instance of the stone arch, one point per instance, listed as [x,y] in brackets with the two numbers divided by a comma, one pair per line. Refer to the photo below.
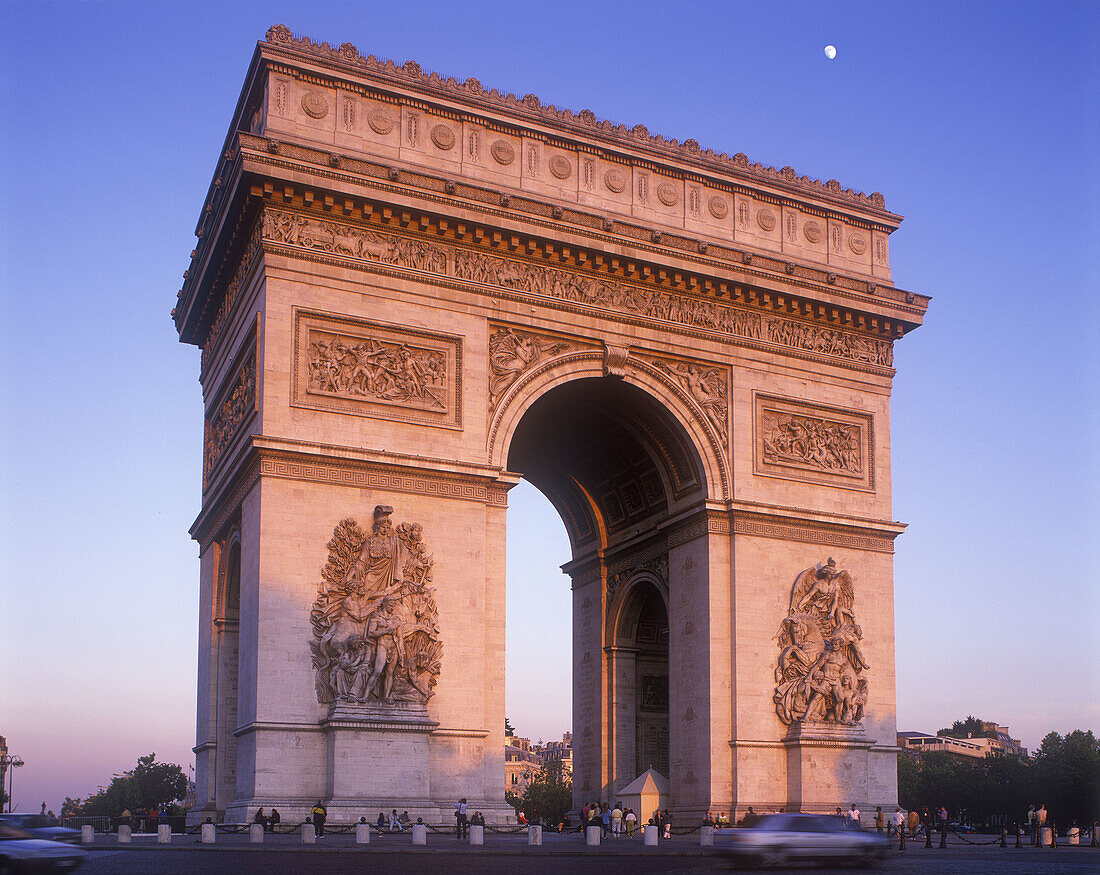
[624,606]
[707,444]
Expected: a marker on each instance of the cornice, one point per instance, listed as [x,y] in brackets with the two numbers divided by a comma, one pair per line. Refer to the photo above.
[281,43]
[712,255]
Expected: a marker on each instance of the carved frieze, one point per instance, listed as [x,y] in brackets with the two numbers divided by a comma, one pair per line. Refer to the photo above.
[819,673]
[375,623]
[814,443]
[231,296]
[229,416]
[641,301]
[707,385]
[513,352]
[657,565]
[373,369]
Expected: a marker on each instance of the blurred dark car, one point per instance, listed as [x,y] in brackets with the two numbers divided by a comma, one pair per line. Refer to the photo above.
[21,851]
[780,839]
[39,826]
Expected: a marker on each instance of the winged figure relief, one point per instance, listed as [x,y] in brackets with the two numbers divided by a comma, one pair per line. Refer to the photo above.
[818,674]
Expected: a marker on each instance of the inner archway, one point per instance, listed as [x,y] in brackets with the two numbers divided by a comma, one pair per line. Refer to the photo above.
[619,468]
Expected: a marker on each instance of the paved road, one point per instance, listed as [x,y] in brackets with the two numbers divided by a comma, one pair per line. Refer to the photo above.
[682,859]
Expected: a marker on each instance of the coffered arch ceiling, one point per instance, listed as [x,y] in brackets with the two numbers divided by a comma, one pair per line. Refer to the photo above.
[610,457]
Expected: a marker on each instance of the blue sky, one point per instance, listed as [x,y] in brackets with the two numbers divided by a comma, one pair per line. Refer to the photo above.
[978,122]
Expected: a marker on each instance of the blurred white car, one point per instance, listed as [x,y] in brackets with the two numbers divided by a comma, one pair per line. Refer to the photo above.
[21,851]
[40,827]
[779,839]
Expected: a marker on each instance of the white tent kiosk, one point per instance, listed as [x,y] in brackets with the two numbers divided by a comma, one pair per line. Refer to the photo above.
[645,794]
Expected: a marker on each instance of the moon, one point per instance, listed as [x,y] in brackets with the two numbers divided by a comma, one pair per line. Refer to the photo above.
[830,52]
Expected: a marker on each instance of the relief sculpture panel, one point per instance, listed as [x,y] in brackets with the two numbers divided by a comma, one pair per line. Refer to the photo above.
[820,668]
[230,413]
[375,622]
[512,353]
[371,369]
[640,301]
[707,385]
[813,443]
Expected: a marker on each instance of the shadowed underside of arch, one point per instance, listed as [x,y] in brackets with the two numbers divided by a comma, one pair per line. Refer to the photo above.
[609,457]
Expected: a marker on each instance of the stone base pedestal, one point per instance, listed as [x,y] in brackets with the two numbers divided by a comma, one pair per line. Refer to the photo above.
[378,753]
[827,766]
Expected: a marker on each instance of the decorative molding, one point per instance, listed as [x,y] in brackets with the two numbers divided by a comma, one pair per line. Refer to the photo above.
[813,443]
[707,522]
[377,370]
[583,123]
[228,300]
[809,533]
[379,477]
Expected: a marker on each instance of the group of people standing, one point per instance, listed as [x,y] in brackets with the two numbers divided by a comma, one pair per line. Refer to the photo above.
[1036,820]
[463,821]
[614,822]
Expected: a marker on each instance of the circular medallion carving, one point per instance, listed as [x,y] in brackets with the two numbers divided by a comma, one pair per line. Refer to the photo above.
[502,152]
[615,181]
[443,137]
[719,207]
[560,166]
[379,122]
[765,219]
[315,105]
[667,194]
[857,244]
[813,232]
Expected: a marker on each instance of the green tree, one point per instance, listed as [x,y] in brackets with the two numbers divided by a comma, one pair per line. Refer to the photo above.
[970,727]
[1067,776]
[549,796]
[509,729]
[149,784]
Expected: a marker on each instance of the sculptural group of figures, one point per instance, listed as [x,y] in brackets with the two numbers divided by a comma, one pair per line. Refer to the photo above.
[820,661]
[372,368]
[811,441]
[376,637]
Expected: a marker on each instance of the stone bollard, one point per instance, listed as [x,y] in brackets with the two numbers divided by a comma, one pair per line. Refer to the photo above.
[1073,836]
[650,839]
[420,834]
[208,833]
[362,833]
[477,834]
[87,834]
[255,833]
[592,835]
[1045,837]
[706,837]
[309,834]
[534,835]
[123,834]
[164,834]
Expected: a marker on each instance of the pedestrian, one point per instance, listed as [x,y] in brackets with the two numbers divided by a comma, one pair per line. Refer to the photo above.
[563,825]
[320,814]
[605,819]
[1033,824]
[899,821]
[273,819]
[914,821]
[404,821]
[395,825]
[617,820]
[880,820]
[668,826]
[261,819]
[380,824]
[1040,822]
[461,824]
[853,817]
[631,822]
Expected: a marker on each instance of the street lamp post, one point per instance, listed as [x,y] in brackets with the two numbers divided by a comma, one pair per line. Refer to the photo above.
[10,763]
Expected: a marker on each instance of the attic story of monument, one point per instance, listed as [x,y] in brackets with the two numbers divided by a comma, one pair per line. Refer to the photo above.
[410,292]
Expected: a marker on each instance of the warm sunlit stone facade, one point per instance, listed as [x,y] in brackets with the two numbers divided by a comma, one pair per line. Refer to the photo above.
[410,292]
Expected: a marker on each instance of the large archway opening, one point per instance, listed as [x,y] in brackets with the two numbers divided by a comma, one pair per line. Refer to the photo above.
[618,467]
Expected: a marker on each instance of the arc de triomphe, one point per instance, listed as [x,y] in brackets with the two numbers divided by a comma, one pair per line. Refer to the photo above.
[410,292]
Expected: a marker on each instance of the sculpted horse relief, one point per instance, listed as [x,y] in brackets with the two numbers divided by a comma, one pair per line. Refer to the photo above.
[820,661]
[375,632]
